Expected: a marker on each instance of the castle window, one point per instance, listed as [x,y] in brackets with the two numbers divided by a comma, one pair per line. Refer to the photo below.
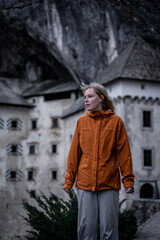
[14,124]
[32,149]
[146,191]
[54,122]
[1,123]
[34,124]
[143,87]
[54,175]
[54,148]
[147,158]
[33,100]
[33,193]
[31,175]
[14,175]
[14,149]
[147,119]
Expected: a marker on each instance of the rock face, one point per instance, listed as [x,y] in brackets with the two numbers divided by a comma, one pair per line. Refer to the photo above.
[150,229]
[71,39]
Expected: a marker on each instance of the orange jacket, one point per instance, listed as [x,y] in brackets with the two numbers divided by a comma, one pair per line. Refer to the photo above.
[99,152]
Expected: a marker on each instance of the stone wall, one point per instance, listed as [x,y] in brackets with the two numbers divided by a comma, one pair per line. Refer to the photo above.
[144,209]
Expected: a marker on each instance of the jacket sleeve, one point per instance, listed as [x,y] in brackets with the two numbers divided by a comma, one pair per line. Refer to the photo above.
[123,155]
[73,160]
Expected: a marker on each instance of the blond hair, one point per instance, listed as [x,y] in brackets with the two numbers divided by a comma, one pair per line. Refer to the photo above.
[101,91]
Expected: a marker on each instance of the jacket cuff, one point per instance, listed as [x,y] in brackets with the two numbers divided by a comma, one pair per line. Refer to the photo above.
[68,186]
[130,184]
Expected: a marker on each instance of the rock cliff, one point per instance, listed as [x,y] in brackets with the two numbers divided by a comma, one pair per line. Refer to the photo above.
[71,39]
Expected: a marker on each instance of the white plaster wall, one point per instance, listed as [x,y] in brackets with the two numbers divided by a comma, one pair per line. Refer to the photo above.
[11,192]
[133,88]
[143,138]
[115,89]
[11,137]
[130,110]
[43,162]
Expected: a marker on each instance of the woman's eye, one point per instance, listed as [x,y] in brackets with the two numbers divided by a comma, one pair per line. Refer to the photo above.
[89,96]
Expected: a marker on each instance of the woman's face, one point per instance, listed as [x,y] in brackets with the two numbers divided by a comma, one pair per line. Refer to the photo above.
[92,101]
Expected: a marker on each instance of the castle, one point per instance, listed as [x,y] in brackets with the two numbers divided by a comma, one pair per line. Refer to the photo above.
[37,122]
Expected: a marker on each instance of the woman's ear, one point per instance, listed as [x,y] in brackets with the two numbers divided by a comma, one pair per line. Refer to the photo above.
[102,98]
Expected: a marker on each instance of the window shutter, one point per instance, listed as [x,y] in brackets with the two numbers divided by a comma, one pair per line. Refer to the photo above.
[17,176]
[9,123]
[9,148]
[1,123]
[19,124]
[19,149]
[8,175]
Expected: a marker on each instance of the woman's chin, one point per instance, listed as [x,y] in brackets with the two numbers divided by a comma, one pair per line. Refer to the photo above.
[88,108]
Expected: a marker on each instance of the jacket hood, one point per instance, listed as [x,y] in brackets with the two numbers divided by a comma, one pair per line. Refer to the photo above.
[100,114]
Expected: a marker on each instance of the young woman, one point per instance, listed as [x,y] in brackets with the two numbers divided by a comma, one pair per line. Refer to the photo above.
[98,154]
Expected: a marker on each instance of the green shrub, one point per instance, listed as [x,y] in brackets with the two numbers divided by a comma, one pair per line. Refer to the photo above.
[56,219]
[127,223]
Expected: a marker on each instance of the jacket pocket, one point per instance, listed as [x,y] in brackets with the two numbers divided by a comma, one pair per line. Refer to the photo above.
[109,172]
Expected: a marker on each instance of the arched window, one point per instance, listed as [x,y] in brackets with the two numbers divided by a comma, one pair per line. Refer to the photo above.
[146,191]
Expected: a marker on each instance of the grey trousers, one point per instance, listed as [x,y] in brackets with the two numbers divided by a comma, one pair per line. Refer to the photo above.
[102,204]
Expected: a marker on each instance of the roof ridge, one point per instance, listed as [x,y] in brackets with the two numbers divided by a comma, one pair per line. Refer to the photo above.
[133,63]
[131,44]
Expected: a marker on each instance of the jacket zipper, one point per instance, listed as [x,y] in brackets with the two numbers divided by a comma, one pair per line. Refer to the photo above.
[98,153]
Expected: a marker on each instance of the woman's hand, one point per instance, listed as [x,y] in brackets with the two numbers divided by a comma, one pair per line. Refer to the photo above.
[66,190]
[129,189]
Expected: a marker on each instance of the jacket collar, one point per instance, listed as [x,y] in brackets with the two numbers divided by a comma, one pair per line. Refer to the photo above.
[100,114]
